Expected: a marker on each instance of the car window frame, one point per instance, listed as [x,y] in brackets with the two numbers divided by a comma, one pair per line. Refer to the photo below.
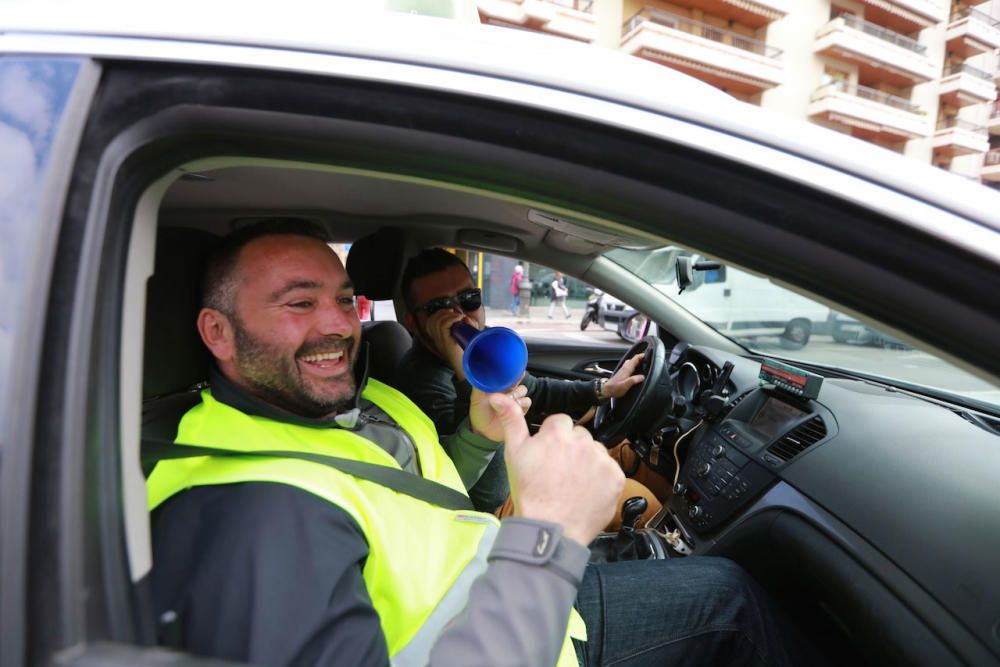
[108,192]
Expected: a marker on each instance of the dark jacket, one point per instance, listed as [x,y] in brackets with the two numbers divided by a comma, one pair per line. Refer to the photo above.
[431,383]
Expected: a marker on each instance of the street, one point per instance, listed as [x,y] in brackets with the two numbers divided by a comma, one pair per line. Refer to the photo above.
[909,365]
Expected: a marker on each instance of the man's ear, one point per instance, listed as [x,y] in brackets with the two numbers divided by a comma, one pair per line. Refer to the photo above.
[217,333]
[411,323]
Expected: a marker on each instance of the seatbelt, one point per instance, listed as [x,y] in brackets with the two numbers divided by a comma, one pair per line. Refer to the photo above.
[398,480]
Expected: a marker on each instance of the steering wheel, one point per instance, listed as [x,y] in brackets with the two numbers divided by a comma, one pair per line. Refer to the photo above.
[645,404]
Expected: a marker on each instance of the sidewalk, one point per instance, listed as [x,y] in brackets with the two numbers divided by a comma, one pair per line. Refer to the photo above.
[538,317]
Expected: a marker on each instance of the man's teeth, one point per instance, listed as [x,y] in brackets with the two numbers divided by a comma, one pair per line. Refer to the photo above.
[329,356]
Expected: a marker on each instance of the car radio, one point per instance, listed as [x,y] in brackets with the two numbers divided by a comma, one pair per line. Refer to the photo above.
[733,462]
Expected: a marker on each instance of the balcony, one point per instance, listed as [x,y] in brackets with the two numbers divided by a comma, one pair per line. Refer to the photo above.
[907,16]
[879,53]
[993,122]
[971,32]
[751,13]
[955,136]
[963,85]
[870,114]
[721,57]
[565,18]
[991,167]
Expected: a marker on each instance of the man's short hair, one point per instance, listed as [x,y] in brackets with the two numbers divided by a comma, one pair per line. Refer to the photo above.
[425,263]
[218,289]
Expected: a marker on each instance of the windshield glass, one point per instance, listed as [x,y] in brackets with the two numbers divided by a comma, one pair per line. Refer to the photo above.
[774,321]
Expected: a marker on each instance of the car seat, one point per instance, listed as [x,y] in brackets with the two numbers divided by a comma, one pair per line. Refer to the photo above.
[175,361]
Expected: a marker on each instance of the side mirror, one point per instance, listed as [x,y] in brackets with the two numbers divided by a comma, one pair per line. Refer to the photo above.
[634,328]
[686,266]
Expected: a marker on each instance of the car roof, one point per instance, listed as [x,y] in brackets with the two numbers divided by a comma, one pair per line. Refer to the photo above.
[501,53]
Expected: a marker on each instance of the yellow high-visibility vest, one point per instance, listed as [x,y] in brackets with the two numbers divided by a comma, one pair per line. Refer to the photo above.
[422,558]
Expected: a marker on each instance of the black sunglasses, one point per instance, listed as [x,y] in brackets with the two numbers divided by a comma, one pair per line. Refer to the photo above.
[468,300]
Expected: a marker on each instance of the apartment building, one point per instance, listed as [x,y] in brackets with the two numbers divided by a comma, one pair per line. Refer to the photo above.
[915,76]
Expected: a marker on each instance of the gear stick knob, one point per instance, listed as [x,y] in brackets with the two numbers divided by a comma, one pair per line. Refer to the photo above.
[632,510]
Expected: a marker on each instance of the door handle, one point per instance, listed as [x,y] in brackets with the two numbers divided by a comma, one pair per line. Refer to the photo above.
[597,369]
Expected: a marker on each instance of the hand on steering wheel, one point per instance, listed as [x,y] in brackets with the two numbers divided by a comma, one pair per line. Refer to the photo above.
[644,404]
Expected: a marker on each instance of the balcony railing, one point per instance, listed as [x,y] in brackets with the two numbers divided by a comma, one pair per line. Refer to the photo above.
[690,26]
[959,68]
[960,124]
[875,30]
[969,12]
[867,93]
[992,158]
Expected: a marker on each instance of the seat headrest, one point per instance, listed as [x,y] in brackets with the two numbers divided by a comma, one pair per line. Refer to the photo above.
[174,357]
[388,341]
[375,264]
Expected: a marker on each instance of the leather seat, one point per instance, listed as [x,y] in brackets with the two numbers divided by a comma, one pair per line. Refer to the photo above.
[175,358]
[375,265]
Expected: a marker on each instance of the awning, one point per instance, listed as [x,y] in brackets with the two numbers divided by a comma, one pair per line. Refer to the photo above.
[855,122]
[754,8]
[893,8]
[707,69]
[871,127]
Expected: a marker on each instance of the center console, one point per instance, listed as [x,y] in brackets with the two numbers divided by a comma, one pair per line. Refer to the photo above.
[734,461]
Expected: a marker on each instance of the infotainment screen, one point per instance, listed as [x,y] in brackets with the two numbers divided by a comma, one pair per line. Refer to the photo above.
[774,418]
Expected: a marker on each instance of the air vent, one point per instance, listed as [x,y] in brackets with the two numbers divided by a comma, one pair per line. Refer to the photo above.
[799,439]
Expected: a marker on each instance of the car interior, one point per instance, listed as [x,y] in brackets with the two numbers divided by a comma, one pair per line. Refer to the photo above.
[860,507]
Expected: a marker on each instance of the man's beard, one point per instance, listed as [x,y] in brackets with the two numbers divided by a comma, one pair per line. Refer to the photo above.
[274,377]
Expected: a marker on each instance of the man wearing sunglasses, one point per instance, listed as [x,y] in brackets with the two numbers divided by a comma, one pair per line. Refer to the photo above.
[438,291]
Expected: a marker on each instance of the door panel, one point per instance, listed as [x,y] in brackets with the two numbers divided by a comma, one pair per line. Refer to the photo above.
[573,362]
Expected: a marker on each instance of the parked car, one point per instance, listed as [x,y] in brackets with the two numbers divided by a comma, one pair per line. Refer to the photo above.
[607,311]
[846,329]
[865,495]
[739,304]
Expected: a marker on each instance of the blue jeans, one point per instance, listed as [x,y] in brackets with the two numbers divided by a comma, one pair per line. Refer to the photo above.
[685,611]
[515,303]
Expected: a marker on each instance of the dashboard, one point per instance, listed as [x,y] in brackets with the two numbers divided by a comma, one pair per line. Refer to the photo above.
[875,507]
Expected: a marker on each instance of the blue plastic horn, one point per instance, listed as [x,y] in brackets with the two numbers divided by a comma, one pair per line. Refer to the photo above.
[495,359]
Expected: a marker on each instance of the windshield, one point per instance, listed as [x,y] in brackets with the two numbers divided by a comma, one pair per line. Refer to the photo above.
[774,321]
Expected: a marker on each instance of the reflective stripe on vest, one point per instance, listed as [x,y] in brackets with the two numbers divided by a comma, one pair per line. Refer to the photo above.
[422,558]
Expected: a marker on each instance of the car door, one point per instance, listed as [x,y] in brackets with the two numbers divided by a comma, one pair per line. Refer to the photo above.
[557,345]
[43,108]
[81,523]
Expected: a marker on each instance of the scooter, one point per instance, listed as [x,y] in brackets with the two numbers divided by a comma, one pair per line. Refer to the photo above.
[591,311]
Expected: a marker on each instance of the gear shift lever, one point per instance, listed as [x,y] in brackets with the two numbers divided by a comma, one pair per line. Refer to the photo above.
[625,544]
[632,510]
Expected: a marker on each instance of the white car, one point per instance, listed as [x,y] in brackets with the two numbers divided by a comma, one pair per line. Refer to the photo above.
[131,137]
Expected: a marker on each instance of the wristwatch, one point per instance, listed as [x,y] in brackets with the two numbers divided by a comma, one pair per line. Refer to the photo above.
[599,389]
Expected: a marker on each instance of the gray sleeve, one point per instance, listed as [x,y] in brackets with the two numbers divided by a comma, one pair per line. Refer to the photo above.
[519,608]
[470,453]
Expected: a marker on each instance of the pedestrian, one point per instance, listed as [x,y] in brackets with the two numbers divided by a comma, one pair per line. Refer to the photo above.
[557,295]
[515,289]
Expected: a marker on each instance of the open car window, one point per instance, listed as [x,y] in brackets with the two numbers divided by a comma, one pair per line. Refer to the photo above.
[769,319]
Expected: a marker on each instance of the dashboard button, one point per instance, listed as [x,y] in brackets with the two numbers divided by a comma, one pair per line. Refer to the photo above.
[718,451]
